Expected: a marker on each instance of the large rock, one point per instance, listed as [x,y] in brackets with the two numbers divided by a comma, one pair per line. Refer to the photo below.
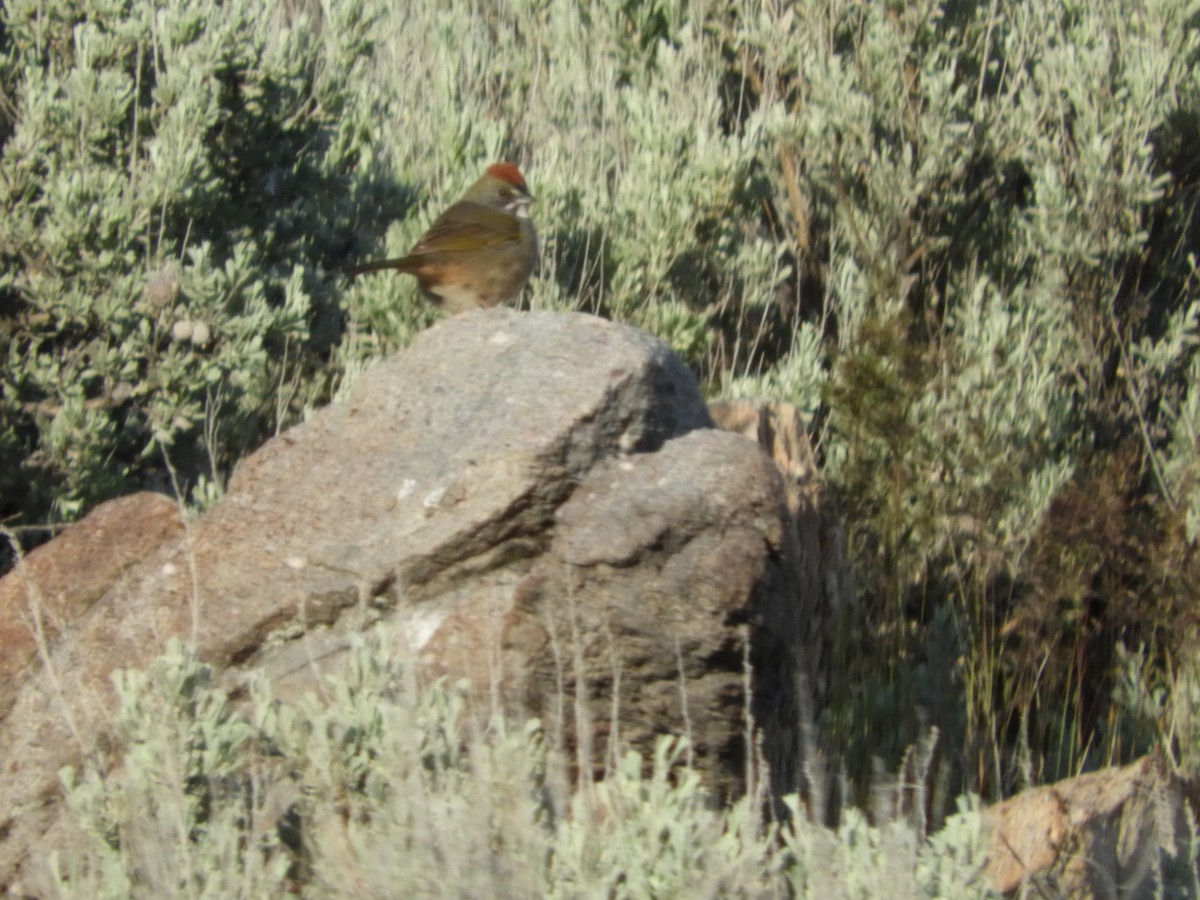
[538,501]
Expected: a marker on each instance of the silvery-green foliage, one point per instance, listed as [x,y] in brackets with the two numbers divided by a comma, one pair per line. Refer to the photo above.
[989,166]
[166,169]
[615,113]
[799,376]
[891,139]
[992,205]
[396,785]
[1181,735]
[950,862]
[186,812]
[1180,459]
[657,835]
[371,783]
[861,860]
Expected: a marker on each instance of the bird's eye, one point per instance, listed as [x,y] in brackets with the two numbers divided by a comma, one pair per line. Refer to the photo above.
[505,192]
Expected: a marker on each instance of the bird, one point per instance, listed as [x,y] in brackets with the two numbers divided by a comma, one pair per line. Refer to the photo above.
[480,252]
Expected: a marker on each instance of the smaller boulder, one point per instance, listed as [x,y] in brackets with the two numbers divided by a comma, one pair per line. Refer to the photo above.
[1113,833]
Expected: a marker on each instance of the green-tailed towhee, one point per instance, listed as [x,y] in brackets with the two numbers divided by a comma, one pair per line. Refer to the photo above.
[480,251]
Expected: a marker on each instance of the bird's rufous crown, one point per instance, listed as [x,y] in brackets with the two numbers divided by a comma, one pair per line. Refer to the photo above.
[506,171]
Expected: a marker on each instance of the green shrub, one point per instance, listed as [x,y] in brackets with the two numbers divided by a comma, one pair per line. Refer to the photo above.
[171,172]
[990,206]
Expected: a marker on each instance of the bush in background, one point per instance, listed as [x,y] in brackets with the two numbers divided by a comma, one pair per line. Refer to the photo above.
[171,176]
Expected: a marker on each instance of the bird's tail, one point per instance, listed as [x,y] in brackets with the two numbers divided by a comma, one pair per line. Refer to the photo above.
[403,263]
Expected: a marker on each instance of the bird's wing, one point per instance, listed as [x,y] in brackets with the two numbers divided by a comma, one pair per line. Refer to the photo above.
[469,226]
